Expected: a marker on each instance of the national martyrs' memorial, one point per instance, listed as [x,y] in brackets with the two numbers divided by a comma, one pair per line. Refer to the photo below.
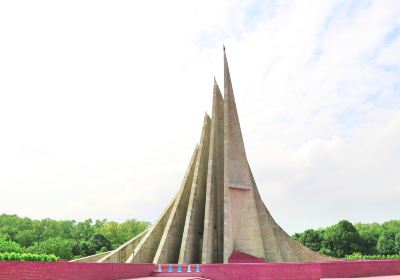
[218,209]
[217,219]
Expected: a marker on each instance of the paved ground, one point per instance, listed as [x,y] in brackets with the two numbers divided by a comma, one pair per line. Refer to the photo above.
[394,277]
[170,278]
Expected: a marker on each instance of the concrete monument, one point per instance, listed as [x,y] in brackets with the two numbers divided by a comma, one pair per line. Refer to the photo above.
[218,209]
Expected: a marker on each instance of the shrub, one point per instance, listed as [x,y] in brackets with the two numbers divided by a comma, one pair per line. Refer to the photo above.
[58,246]
[359,256]
[12,256]
[9,246]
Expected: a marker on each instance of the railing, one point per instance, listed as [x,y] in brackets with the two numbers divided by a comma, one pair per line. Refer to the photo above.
[178,268]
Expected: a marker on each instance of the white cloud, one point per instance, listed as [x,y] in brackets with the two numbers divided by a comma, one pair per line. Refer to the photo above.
[101,104]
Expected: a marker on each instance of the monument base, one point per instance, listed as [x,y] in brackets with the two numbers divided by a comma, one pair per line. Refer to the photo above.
[21,270]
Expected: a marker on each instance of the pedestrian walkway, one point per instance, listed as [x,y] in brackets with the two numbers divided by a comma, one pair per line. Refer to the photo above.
[170,278]
[391,277]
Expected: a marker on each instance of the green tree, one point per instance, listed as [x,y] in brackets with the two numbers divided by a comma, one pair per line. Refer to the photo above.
[120,233]
[39,228]
[86,249]
[392,225]
[86,237]
[54,245]
[24,223]
[7,246]
[369,241]
[341,239]
[8,231]
[83,230]
[51,228]
[298,236]
[26,238]
[397,243]
[311,239]
[386,243]
[99,241]
[66,228]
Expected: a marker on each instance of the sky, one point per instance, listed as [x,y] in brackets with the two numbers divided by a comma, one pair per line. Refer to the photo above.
[102,104]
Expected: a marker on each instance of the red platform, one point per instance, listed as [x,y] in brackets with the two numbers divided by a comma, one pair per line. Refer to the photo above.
[301,271]
[233,271]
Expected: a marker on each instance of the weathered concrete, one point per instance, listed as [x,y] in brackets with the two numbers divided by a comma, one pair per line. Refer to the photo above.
[218,209]
[147,247]
[168,250]
[191,246]
[122,253]
[92,258]
[239,204]
[248,225]
[213,218]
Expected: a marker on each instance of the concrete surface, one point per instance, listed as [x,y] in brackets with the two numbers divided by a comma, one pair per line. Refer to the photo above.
[190,250]
[218,209]
[167,251]
[392,277]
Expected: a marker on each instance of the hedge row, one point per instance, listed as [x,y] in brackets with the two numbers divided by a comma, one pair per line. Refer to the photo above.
[28,257]
[358,256]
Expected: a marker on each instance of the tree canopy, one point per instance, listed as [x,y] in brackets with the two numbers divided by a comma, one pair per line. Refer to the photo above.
[69,239]
[66,239]
[344,239]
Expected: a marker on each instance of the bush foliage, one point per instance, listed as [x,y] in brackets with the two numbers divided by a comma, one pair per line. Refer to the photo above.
[358,241]
[9,246]
[22,238]
[359,256]
[66,239]
[12,256]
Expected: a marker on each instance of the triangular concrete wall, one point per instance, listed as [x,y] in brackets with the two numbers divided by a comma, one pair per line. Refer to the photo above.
[218,209]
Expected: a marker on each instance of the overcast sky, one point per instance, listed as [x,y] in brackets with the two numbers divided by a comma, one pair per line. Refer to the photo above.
[102,103]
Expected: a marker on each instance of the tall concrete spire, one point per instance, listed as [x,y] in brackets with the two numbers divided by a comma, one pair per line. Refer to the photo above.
[218,209]
[212,248]
[238,174]
[241,225]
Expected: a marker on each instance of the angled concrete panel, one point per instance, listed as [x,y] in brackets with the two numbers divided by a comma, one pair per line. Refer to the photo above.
[248,237]
[168,250]
[147,247]
[92,258]
[248,225]
[237,174]
[122,253]
[268,229]
[191,246]
[213,219]
[218,209]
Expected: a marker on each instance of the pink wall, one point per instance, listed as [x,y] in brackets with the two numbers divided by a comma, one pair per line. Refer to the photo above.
[233,271]
[360,268]
[300,271]
[71,271]
[264,271]
[239,257]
